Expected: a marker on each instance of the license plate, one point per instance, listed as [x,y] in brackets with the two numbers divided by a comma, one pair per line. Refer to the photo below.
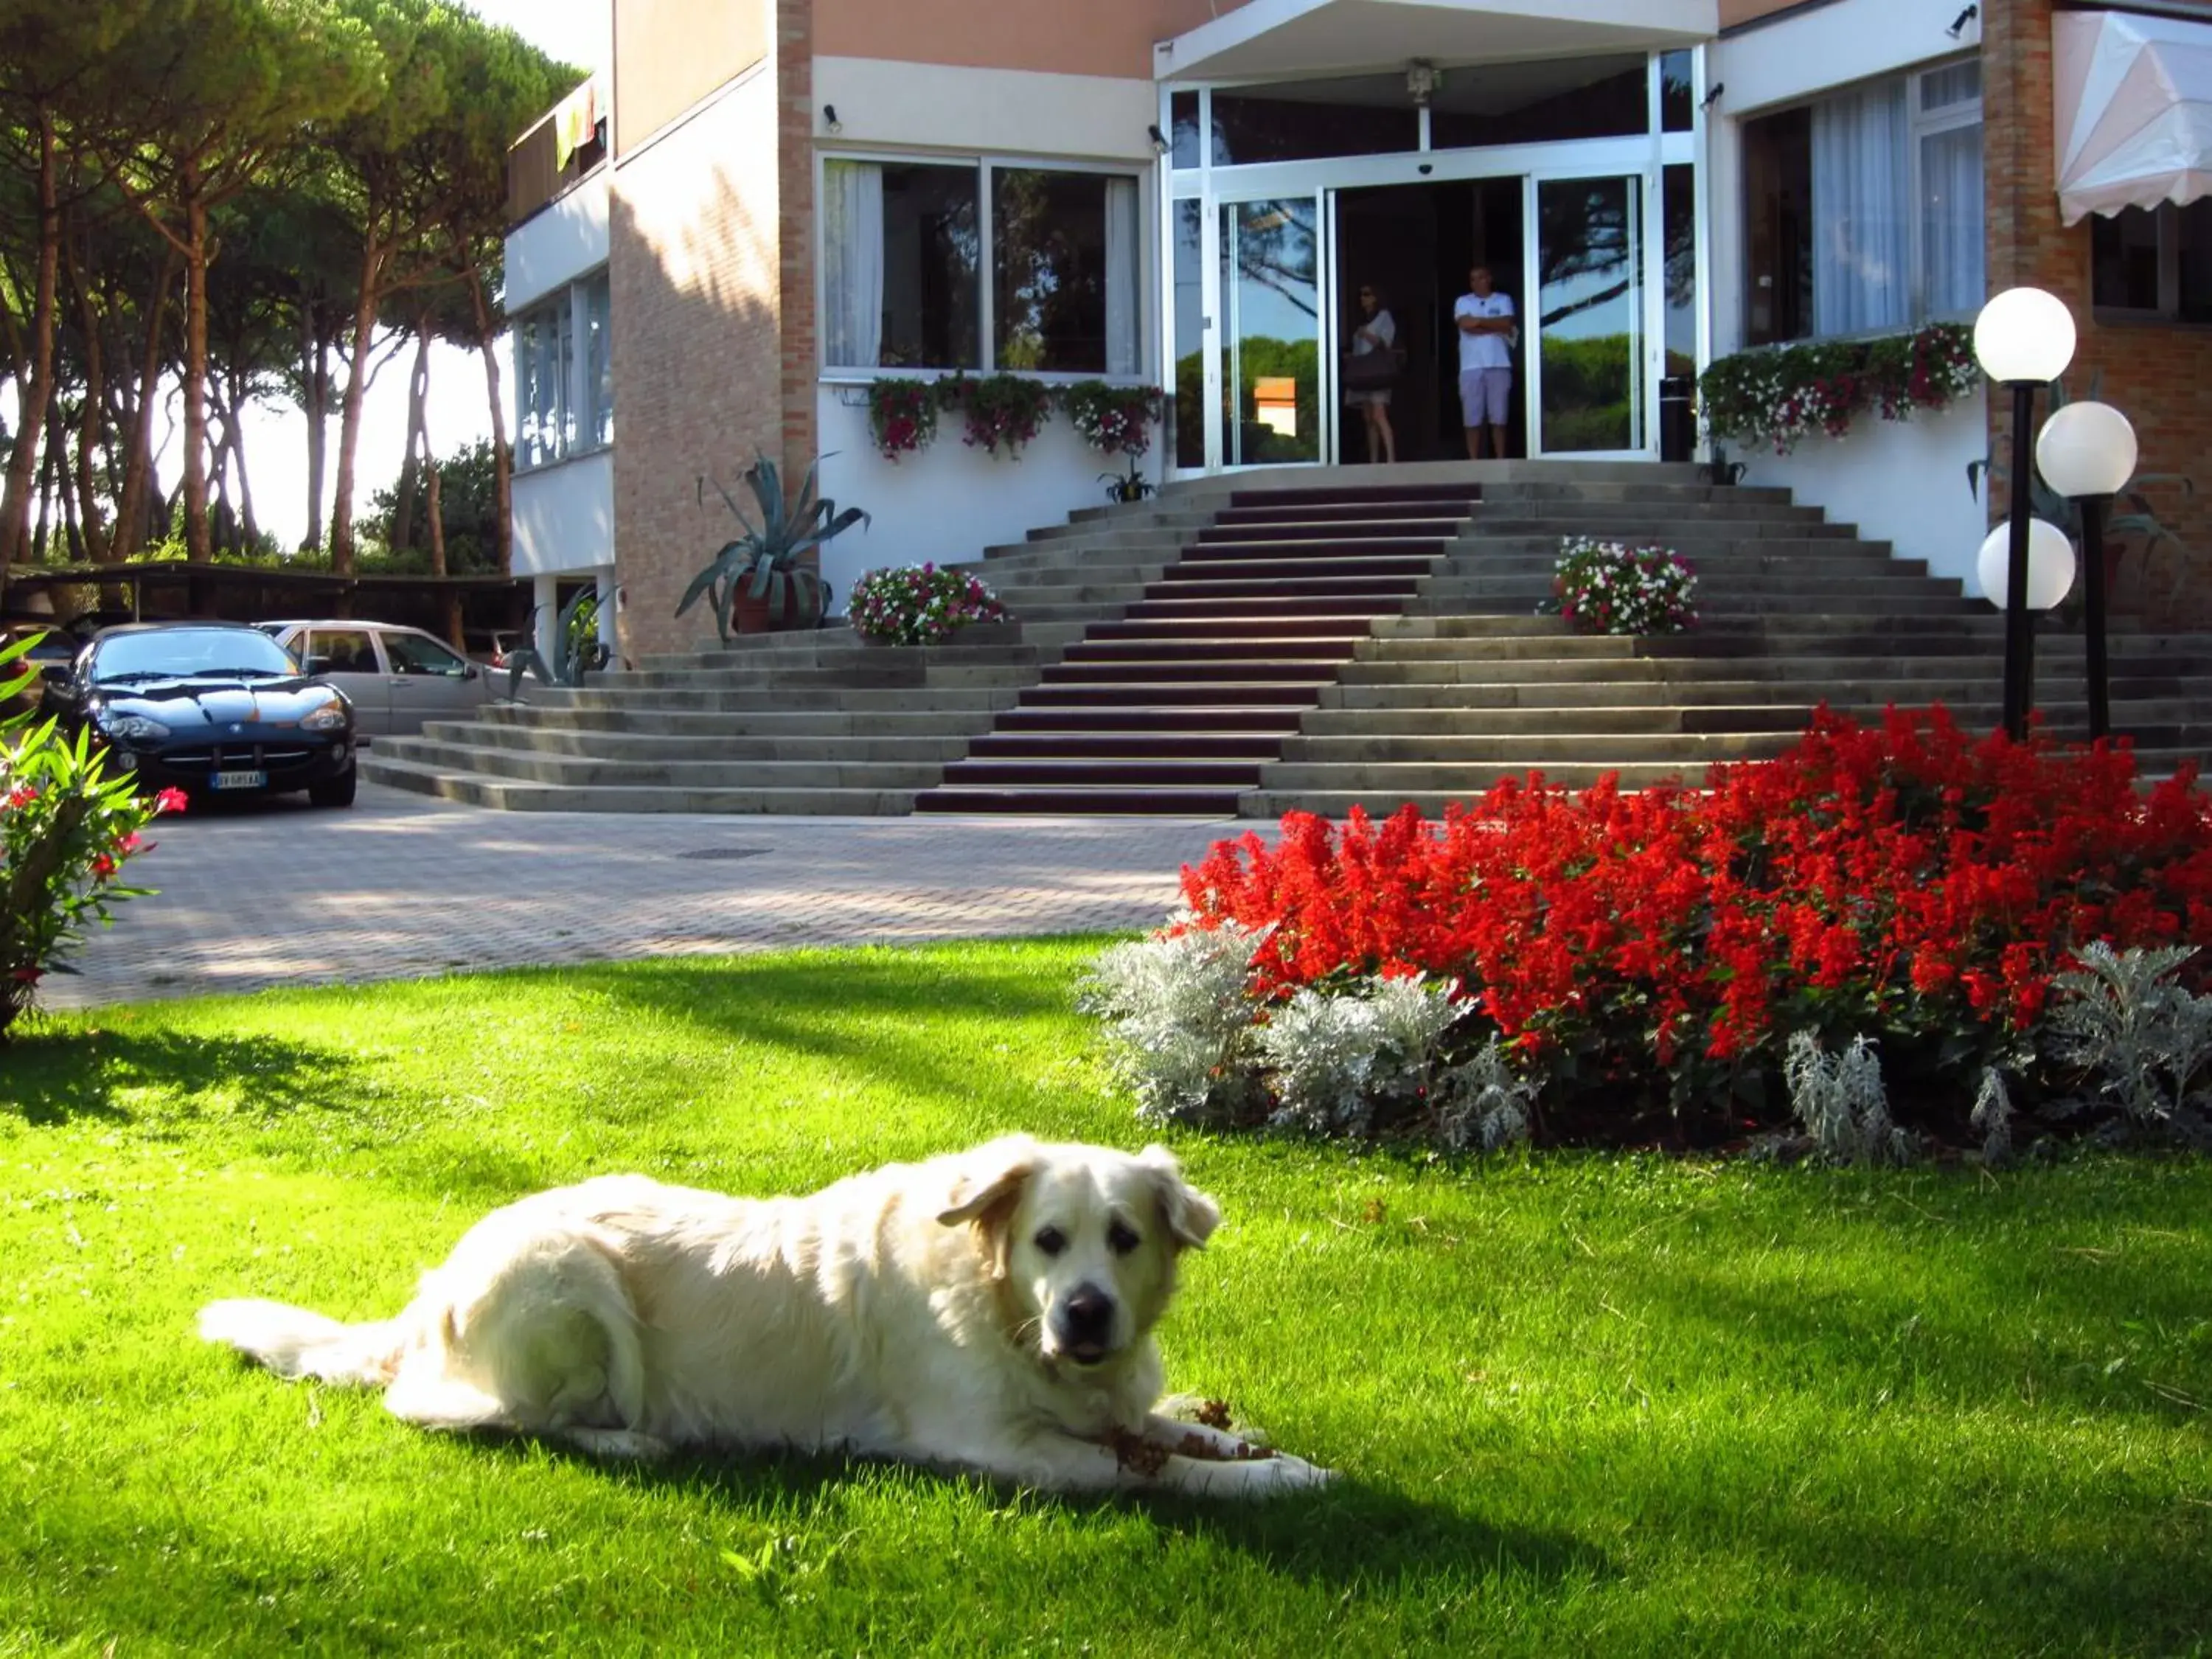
[241,781]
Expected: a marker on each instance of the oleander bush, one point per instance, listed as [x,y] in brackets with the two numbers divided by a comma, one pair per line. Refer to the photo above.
[1895,907]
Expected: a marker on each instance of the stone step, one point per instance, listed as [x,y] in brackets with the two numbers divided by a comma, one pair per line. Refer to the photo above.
[709,728]
[1108,745]
[1275,721]
[1419,705]
[512,795]
[525,766]
[1172,651]
[1110,801]
[652,747]
[812,699]
[1091,772]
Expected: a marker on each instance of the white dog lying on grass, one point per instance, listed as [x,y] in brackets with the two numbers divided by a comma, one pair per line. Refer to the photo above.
[991,1310]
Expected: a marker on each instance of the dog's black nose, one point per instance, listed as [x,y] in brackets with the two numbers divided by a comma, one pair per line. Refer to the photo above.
[1088,1314]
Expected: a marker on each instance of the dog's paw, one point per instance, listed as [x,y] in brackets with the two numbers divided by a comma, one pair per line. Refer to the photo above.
[1296,1475]
[624,1443]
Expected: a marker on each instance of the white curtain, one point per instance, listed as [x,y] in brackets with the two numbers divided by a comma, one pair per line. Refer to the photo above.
[853,264]
[1121,275]
[1859,238]
[1950,220]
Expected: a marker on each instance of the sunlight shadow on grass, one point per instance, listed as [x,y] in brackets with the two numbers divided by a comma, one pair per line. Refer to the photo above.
[1348,1535]
[57,1075]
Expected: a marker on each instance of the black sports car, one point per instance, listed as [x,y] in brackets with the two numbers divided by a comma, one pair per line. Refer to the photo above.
[208,707]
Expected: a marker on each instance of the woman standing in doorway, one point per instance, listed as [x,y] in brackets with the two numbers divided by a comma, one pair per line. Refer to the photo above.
[1375,332]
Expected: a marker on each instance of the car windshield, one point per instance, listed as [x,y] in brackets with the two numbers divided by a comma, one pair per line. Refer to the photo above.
[162,653]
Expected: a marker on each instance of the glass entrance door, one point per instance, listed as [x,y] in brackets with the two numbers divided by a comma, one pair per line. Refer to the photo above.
[1271,409]
[1589,370]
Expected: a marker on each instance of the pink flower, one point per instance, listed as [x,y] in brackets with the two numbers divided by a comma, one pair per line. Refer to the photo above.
[169,800]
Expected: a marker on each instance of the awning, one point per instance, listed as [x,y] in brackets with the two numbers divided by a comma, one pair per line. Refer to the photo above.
[1263,39]
[2132,109]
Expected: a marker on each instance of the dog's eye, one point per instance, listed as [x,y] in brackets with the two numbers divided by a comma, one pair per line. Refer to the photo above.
[1121,1238]
[1052,1240]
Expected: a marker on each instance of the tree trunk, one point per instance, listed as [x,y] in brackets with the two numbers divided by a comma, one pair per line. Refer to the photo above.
[502,470]
[38,390]
[250,527]
[197,546]
[37,550]
[417,441]
[133,530]
[434,503]
[356,387]
[95,406]
[315,376]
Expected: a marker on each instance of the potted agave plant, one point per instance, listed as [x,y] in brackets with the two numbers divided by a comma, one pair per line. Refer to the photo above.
[760,581]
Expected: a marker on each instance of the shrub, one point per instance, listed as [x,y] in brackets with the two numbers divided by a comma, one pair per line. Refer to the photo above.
[1649,956]
[919,604]
[1607,587]
[903,416]
[1117,419]
[1775,395]
[66,829]
[1004,412]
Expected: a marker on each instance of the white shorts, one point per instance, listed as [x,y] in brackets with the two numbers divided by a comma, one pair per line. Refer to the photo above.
[1484,394]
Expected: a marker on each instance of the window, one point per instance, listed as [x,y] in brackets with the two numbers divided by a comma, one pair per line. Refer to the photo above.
[348,652]
[564,402]
[2154,262]
[905,247]
[1066,246]
[1863,212]
[544,429]
[412,654]
[598,358]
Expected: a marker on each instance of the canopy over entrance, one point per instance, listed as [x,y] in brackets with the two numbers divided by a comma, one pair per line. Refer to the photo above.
[1267,38]
[2132,103]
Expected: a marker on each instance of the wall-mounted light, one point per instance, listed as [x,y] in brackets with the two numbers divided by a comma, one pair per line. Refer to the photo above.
[1422,80]
[1160,139]
[1959,23]
[829,119]
[1713,96]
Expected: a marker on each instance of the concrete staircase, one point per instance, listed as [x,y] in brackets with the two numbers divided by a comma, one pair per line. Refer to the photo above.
[815,722]
[1247,645]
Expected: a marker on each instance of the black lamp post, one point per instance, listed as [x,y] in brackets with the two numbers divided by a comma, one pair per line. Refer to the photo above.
[2087,452]
[2024,339]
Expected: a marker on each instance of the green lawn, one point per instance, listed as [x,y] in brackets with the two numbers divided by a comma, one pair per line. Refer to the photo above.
[1583,1405]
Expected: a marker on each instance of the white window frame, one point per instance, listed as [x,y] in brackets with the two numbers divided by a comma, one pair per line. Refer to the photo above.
[578,434]
[986,276]
[1919,126]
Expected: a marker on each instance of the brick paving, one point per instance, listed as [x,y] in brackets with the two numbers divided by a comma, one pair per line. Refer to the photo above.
[278,893]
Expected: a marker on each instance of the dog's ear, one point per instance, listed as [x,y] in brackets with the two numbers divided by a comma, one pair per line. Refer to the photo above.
[989,1177]
[1190,1215]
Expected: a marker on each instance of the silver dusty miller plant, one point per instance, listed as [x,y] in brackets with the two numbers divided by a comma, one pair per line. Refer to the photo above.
[1483,1104]
[1841,1101]
[2140,1039]
[1334,1060]
[1178,1021]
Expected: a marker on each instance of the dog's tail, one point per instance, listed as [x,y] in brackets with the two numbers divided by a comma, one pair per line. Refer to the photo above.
[295,1343]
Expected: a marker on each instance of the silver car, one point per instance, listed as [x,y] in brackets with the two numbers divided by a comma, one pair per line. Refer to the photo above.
[395,677]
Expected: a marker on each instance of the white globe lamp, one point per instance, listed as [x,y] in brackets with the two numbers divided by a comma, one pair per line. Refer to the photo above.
[2086,449]
[2024,336]
[2050,565]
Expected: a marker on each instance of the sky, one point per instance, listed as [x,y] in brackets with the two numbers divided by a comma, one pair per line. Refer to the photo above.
[458,414]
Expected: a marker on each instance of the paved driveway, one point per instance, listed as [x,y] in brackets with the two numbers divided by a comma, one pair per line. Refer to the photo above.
[280,894]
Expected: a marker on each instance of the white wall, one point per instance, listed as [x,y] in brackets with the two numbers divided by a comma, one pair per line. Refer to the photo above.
[1901,482]
[560,243]
[948,502]
[564,515]
[1000,112]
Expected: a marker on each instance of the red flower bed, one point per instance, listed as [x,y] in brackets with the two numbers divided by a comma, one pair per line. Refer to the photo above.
[1903,882]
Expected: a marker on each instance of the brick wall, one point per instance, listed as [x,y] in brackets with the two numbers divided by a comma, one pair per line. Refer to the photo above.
[794,91]
[694,261]
[2160,377]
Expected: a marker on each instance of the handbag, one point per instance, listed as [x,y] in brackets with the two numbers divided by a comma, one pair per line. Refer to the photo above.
[1370,370]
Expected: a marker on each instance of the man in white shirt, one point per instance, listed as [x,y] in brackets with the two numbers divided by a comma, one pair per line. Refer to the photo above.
[1486,327]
